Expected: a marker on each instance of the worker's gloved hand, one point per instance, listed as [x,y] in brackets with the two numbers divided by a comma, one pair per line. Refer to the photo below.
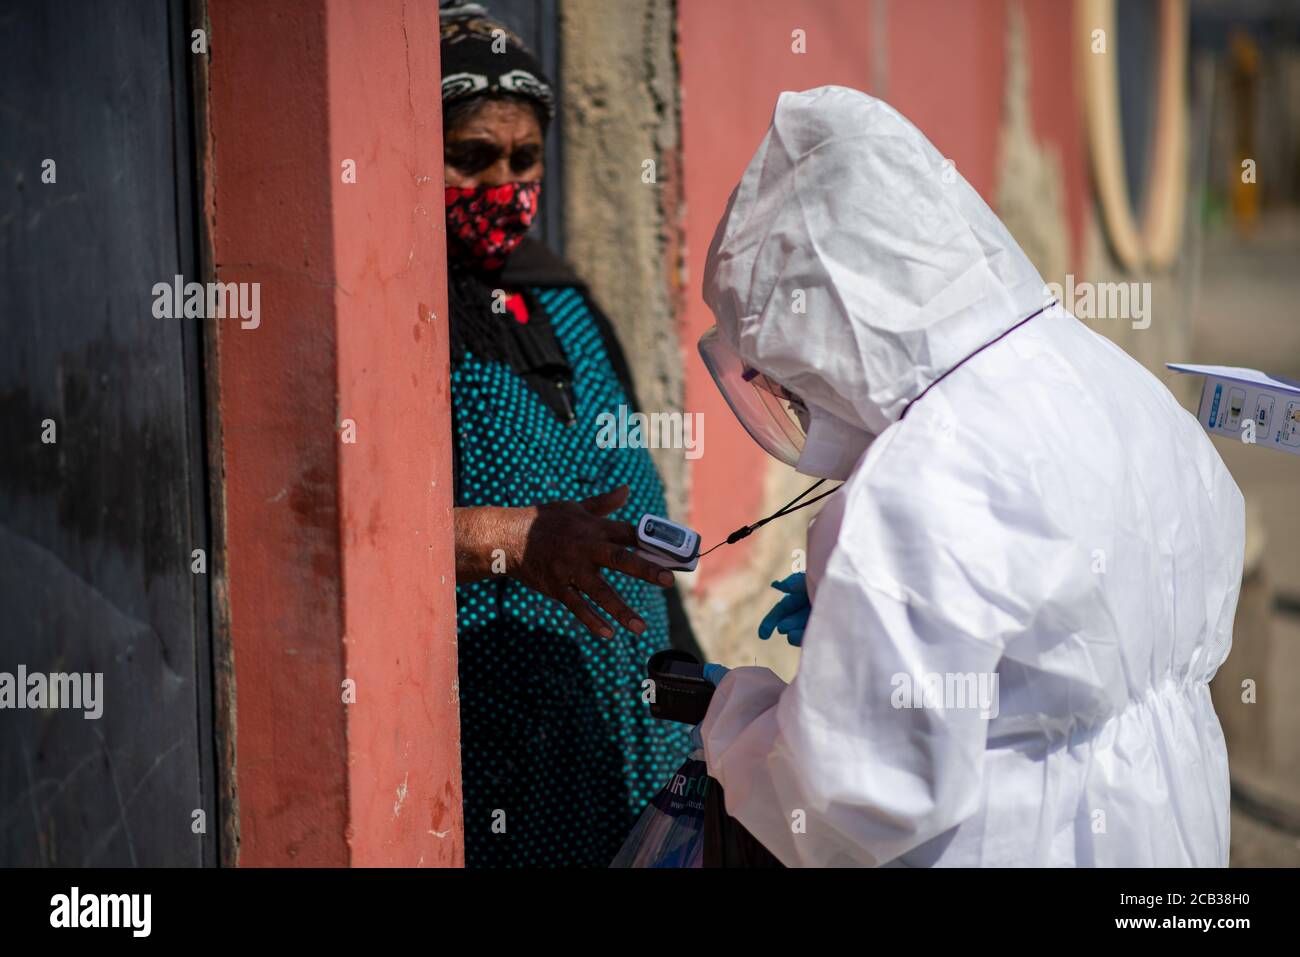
[789,616]
[714,674]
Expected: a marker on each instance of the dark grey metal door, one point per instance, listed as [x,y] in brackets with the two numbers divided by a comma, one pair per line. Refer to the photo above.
[98,527]
[537,23]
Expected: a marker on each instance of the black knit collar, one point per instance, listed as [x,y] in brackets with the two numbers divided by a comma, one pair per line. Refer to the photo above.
[533,264]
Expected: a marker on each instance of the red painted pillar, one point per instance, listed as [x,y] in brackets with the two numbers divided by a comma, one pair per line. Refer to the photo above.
[334,420]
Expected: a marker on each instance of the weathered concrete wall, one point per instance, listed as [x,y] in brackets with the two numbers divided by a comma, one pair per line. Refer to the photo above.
[1030,179]
[623,107]
[620,95]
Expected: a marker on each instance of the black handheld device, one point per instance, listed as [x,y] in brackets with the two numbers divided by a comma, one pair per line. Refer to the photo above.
[679,690]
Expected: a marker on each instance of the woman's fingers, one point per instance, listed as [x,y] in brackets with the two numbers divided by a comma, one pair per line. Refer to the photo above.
[599,591]
[621,560]
[566,552]
[576,603]
[606,502]
[620,533]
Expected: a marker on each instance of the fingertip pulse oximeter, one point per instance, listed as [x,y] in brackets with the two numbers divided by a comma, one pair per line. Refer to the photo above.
[672,546]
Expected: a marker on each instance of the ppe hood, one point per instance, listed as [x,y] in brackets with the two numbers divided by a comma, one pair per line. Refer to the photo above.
[854,265]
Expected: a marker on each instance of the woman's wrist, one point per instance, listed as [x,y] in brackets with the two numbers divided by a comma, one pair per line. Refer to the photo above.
[488,541]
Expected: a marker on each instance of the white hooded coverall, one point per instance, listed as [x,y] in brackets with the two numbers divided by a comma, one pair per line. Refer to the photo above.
[1047,514]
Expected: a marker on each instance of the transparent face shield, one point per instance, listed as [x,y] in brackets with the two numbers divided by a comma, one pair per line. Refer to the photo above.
[773,416]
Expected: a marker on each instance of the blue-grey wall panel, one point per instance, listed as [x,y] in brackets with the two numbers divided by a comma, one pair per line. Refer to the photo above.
[537,23]
[96,530]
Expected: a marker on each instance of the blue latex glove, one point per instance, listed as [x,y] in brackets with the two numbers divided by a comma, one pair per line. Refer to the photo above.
[789,616]
[714,674]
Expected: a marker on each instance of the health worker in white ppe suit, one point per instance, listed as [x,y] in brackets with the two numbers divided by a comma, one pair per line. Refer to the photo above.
[1028,578]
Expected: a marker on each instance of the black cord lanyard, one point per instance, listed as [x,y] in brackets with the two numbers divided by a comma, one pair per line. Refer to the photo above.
[790,506]
[907,408]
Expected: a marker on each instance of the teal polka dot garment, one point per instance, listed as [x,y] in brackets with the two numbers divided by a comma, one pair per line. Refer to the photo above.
[559,755]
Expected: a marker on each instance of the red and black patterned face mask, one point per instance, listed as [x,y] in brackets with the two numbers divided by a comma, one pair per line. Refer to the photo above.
[486,223]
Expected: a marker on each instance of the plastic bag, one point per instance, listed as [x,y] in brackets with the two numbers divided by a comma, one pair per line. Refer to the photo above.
[727,842]
[687,824]
[670,831]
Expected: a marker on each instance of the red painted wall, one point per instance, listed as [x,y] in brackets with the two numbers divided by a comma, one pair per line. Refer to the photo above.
[946,75]
[339,556]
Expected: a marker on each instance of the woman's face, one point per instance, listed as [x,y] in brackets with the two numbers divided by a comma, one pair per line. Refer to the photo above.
[501,143]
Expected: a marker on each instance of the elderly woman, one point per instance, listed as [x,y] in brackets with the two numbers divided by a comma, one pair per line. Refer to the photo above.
[559,752]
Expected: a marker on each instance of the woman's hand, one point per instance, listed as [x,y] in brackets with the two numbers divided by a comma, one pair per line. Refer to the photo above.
[558,549]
